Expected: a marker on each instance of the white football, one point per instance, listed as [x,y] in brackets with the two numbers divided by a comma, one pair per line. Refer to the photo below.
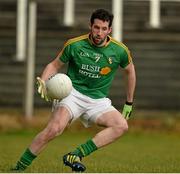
[58,86]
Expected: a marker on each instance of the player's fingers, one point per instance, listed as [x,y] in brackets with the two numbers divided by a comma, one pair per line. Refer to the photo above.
[38,79]
[127,115]
[40,82]
[47,98]
[39,89]
[42,94]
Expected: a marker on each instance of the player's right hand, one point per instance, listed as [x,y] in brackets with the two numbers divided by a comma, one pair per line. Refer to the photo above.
[42,89]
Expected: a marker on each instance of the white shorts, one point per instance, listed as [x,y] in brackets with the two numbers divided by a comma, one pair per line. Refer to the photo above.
[84,107]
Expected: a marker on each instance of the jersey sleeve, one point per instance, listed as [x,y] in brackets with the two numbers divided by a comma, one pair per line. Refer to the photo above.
[125,58]
[65,53]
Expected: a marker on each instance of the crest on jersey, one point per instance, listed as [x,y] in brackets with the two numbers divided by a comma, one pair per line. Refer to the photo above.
[110,60]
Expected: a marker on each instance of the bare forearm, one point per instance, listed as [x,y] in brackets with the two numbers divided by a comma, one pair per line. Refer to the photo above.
[51,69]
[130,83]
[48,71]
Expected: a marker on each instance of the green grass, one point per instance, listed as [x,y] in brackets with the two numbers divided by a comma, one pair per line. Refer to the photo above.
[151,145]
[135,152]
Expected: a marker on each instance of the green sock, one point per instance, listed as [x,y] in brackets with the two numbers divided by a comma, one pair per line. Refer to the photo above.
[85,149]
[25,160]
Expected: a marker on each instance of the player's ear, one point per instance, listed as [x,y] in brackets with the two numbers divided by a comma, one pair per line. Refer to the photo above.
[110,30]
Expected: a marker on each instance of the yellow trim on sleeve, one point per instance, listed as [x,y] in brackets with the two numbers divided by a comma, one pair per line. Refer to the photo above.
[70,41]
[124,46]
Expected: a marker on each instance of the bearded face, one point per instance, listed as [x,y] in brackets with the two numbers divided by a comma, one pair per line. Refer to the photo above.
[99,32]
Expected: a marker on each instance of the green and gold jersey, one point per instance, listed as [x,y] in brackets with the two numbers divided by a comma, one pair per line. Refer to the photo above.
[92,68]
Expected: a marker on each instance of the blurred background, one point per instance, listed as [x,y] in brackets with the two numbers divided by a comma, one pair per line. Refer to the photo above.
[33,32]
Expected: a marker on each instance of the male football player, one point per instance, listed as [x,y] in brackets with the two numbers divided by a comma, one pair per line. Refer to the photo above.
[92,60]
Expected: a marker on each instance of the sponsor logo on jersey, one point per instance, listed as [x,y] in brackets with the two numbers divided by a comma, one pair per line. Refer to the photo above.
[91,71]
[106,70]
[94,71]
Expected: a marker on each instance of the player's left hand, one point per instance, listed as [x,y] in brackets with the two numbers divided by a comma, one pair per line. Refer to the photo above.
[127,110]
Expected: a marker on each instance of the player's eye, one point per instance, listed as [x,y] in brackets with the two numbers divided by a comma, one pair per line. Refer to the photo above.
[104,28]
[96,27]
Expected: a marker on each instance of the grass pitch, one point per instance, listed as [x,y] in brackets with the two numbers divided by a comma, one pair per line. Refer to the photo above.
[151,145]
[140,152]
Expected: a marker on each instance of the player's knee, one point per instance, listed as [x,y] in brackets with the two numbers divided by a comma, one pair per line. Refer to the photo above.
[121,127]
[125,126]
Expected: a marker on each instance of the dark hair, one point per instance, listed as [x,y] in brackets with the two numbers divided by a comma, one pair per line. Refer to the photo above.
[103,15]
